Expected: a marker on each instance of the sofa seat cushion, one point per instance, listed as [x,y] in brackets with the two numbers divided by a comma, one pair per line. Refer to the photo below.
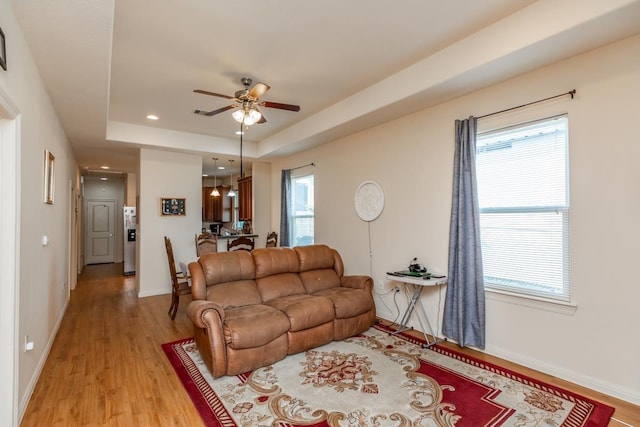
[304,311]
[253,325]
[348,302]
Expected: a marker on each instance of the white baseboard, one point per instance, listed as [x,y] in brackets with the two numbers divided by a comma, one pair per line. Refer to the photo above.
[154,293]
[26,397]
[617,391]
[613,390]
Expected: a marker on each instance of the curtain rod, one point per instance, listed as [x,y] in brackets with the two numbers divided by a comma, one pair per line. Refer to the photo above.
[303,166]
[571,92]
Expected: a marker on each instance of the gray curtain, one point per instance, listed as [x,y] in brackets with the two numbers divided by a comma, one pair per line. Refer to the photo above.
[285,207]
[464,308]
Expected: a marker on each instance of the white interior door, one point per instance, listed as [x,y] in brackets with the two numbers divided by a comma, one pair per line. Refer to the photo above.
[101,219]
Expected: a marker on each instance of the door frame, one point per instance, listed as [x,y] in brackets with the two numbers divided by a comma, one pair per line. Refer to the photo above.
[10,124]
[86,226]
[72,274]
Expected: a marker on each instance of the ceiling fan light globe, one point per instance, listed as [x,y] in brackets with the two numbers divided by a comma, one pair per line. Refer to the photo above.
[247,117]
[238,116]
[252,117]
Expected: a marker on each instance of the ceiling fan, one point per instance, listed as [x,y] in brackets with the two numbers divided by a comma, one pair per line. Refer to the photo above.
[247,102]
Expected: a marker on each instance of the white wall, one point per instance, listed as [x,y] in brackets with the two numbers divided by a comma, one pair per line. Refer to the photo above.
[43,291]
[9,257]
[166,174]
[113,189]
[595,344]
[261,215]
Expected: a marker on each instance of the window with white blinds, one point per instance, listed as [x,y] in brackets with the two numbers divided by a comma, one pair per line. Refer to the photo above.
[302,210]
[523,191]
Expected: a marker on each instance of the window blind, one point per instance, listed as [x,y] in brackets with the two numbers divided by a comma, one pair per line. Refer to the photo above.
[523,191]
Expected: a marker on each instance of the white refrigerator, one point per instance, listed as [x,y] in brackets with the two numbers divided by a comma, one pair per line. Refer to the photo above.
[129,240]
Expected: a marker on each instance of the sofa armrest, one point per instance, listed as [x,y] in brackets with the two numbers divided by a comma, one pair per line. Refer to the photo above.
[208,318]
[359,282]
[203,313]
[198,282]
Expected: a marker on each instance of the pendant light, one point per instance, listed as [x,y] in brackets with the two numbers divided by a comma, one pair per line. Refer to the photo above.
[215,192]
[231,192]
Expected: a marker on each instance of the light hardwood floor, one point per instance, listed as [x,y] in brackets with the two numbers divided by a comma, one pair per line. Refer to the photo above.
[106,366]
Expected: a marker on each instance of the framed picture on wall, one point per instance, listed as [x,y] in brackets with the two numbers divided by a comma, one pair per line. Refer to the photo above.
[49,176]
[3,51]
[172,206]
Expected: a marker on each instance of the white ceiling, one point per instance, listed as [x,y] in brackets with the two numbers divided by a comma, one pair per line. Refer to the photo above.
[348,64]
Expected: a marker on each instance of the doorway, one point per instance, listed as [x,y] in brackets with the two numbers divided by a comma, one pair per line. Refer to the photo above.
[100,237]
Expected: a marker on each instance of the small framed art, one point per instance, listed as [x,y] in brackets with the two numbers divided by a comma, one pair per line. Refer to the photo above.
[3,51]
[49,177]
[172,206]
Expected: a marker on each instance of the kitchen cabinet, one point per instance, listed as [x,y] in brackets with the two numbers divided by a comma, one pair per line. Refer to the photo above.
[216,209]
[245,199]
[207,204]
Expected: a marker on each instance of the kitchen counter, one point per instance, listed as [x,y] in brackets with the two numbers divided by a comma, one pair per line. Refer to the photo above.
[233,236]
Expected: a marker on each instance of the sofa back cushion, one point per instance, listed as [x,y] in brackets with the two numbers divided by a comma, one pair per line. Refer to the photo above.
[320,267]
[230,278]
[234,294]
[270,261]
[277,272]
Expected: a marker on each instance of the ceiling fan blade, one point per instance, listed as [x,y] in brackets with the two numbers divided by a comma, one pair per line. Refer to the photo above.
[206,92]
[280,106]
[258,90]
[214,112]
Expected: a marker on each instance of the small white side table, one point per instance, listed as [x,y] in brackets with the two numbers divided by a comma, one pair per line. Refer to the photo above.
[412,288]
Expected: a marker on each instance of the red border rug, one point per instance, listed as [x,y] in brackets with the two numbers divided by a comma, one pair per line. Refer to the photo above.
[379,379]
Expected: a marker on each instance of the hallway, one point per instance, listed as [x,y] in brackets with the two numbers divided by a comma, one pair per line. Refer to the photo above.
[106,366]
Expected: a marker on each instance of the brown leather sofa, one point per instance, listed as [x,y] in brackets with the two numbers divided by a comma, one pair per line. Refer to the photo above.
[251,309]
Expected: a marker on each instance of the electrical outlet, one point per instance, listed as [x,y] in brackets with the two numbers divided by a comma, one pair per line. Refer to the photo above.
[380,285]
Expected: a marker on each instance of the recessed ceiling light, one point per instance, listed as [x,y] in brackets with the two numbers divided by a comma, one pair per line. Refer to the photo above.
[221,167]
[103,179]
[205,174]
[104,167]
[239,132]
[152,117]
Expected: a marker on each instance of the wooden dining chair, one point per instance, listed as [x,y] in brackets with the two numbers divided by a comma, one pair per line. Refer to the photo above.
[272,240]
[241,243]
[179,280]
[206,243]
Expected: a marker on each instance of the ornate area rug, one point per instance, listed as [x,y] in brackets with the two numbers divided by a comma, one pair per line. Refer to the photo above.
[381,380]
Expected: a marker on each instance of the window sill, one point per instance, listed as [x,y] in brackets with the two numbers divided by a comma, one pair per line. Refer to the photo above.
[567,308]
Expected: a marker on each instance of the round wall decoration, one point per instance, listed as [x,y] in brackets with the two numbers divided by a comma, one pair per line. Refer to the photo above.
[369,200]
